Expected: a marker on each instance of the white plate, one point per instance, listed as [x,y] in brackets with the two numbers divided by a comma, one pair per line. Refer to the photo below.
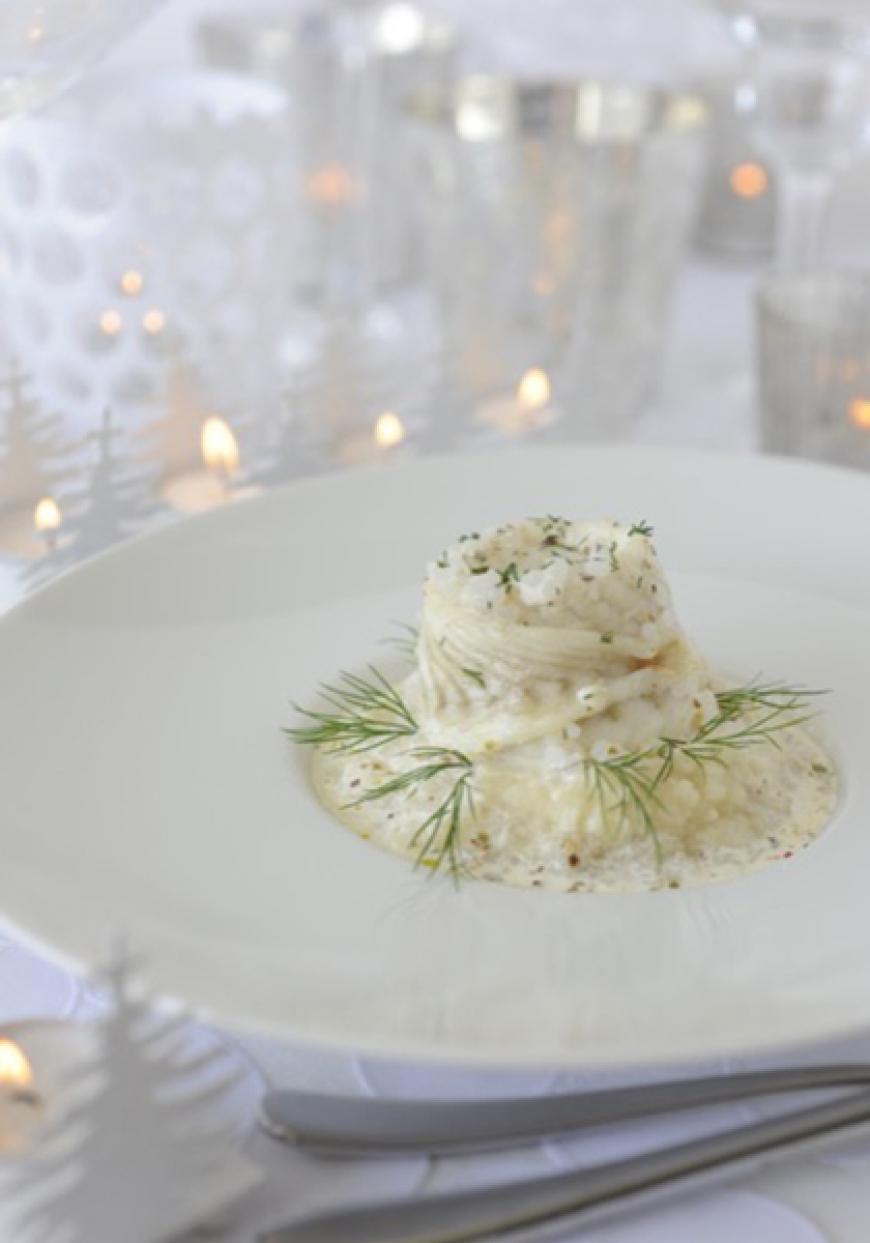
[147,787]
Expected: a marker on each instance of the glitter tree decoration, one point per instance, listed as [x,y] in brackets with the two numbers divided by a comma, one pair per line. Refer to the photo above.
[115,503]
[143,1153]
[31,446]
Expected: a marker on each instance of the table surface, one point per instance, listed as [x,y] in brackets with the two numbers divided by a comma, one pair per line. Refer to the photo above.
[707,400]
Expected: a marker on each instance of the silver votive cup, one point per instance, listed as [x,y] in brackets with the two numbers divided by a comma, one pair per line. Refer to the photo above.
[814,366]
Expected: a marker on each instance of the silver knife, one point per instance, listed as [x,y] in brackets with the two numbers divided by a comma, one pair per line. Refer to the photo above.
[563,1201]
[366,1126]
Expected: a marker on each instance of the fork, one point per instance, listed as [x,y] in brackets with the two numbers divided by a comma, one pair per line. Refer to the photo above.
[558,1202]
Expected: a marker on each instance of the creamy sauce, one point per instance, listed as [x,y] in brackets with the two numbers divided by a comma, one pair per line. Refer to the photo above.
[549,652]
[531,831]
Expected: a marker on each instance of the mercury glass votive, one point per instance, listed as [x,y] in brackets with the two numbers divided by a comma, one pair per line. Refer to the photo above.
[558,214]
[814,366]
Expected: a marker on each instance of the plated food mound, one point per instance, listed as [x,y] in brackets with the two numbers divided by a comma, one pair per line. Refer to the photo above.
[560,730]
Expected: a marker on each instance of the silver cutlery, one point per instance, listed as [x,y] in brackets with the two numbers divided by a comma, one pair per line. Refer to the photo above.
[364,1126]
[556,1203]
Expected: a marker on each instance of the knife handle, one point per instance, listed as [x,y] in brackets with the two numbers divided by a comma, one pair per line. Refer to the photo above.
[367,1126]
[569,1199]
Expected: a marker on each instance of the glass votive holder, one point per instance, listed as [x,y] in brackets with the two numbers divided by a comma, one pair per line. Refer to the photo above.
[347,69]
[558,214]
[738,207]
[149,217]
[814,365]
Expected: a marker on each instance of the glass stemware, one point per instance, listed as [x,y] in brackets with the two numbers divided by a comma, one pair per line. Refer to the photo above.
[46,44]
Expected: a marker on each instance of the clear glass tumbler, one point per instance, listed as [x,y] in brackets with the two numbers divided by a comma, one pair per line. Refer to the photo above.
[814,365]
[557,217]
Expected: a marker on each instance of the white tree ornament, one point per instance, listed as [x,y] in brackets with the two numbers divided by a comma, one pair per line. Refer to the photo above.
[143,1154]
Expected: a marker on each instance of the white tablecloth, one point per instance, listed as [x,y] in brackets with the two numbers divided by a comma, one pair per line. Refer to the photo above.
[707,400]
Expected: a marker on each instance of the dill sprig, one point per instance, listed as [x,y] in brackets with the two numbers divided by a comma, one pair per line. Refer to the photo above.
[622,784]
[765,695]
[640,528]
[748,716]
[405,641]
[476,676]
[366,713]
[441,831]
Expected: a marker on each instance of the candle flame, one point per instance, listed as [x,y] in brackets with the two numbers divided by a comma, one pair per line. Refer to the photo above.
[748,181]
[220,449]
[47,516]
[111,322]
[15,1070]
[153,321]
[533,390]
[331,185]
[859,412]
[389,430]
[131,282]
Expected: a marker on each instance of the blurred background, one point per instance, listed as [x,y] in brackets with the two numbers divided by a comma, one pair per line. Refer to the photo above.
[244,242]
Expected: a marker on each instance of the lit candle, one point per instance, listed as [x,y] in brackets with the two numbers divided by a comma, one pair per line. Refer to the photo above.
[131,282]
[529,408]
[111,322]
[386,435]
[47,519]
[198,490]
[331,186]
[748,181]
[389,430]
[153,321]
[859,412]
[220,449]
[21,1106]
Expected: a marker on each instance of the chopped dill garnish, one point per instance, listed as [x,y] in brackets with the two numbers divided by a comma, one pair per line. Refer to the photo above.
[510,574]
[614,560]
[607,636]
[476,676]
[640,528]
